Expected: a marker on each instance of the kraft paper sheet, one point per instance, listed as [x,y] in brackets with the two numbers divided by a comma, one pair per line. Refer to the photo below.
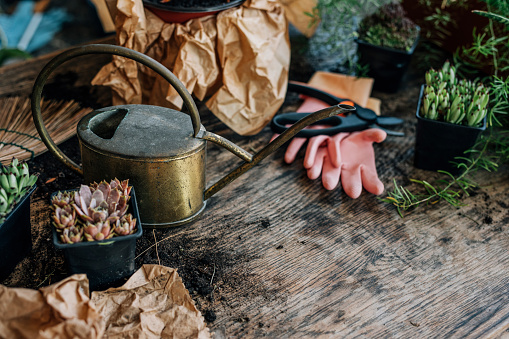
[238,59]
[153,303]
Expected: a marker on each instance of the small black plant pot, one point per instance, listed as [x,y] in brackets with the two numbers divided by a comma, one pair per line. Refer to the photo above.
[438,143]
[15,236]
[386,66]
[107,263]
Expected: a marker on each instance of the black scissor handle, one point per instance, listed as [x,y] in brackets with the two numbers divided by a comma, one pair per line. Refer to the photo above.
[337,124]
[279,122]
[363,113]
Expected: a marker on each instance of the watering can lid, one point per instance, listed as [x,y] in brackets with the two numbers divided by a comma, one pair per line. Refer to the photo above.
[139,131]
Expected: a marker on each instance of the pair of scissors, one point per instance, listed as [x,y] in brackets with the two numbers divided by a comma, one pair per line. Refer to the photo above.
[360,119]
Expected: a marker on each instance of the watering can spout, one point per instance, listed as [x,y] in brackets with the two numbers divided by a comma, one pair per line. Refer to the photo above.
[253,160]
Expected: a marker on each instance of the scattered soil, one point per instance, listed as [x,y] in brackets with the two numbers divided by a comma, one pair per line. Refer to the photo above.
[208,273]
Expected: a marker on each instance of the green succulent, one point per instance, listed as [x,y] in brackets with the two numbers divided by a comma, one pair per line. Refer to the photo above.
[389,27]
[456,101]
[15,181]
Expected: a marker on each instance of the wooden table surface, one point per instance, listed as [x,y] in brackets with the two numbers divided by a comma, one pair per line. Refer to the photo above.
[286,258]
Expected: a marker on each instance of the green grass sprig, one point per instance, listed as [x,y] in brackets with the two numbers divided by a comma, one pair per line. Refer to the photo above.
[491,151]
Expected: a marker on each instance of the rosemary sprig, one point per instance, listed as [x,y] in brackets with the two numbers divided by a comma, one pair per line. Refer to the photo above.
[490,150]
[453,188]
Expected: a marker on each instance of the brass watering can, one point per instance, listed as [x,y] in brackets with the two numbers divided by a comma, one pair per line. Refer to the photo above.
[161,151]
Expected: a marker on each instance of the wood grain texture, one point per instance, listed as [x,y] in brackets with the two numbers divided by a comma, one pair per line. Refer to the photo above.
[339,267]
[304,262]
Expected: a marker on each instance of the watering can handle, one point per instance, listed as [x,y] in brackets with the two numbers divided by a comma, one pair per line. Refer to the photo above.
[102,49]
[198,131]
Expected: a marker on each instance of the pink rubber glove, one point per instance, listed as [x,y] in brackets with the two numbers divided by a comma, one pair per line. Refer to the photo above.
[323,156]
[354,163]
[346,156]
[359,168]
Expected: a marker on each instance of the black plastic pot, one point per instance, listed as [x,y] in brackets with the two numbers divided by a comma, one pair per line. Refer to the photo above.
[15,236]
[107,263]
[438,143]
[386,65]
[178,14]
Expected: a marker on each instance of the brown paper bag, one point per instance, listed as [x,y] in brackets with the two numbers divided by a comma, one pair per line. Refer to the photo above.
[240,57]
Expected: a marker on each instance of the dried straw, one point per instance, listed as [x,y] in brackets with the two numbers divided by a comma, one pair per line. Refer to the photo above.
[18,136]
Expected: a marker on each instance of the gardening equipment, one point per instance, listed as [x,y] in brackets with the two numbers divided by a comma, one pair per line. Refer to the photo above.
[178,14]
[360,119]
[106,262]
[15,236]
[160,150]
[438,143]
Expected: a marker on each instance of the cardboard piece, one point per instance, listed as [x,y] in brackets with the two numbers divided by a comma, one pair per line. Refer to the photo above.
[239,58]
[342,86]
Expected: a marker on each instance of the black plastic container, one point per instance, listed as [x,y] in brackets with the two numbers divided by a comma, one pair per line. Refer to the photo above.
[107,263]
[15,236]
[386,65]
[438,143]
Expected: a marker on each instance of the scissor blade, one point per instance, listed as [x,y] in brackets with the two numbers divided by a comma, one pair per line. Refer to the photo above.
[301,88]
[388,131]
[389,121]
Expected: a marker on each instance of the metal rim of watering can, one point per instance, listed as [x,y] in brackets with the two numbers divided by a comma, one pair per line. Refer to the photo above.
[102,49]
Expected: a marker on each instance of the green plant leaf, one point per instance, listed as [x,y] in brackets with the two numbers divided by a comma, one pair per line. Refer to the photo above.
[10,53]
[493,16]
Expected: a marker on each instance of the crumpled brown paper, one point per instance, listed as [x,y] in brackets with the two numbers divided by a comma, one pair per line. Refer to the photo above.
[62,310]
[239,57]
[297,12]
[153,303]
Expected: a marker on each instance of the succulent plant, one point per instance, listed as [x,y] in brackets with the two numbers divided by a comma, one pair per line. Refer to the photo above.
[94,212]
[72,235]
[15,181]
[64,217]
[125,225]
[456,101]
[389,27]
[98,230]
[62,199]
